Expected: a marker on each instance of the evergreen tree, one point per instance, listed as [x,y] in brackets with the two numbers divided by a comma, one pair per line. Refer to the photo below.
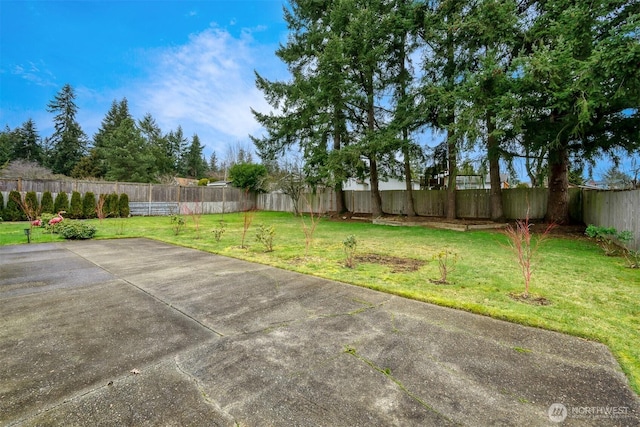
[47,203]
[31,204]
[1,207]
[111,207]
[75,207]
[61,202]
[89,205]
[13,212]
[123,205]
[26,143]
[579,84]
[195,166]
[127,155]
[312,106]
[164,159]
[6,145]
[69,143]
[176,145]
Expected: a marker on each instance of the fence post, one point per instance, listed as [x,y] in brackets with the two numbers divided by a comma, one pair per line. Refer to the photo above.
[150,198]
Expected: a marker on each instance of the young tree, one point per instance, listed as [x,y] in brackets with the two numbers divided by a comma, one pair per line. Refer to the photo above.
[69,142]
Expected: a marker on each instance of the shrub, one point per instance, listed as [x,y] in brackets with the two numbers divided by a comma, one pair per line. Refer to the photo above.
[76,230]
[350,244]
[203,182]
[608,238]
[75,207]
[265,236]
[13,212]
[218,232]
[177,223]
[1,206]
[123,205]
[89,205]
[31,207]
[111,208]
[447,261]
[633,258]
[46,205]
[61,203]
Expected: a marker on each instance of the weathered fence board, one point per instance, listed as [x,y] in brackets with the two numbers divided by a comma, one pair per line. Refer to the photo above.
[618,209]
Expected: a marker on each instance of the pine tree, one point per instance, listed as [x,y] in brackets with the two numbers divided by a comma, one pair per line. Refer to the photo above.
[195,166]
[27,143]
[69,143]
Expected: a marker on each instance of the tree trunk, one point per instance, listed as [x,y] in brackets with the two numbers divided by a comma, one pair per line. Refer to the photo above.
[558,202]
[452,160]
[341,205]
[493,152]
[408,195]
[376,200]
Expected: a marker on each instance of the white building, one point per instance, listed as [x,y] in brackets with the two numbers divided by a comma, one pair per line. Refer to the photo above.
[355,184]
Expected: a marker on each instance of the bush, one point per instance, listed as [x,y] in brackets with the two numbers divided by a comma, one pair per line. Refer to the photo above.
[111,206]
[75,208]
[123,205]
[608,238]
[89,205]
[203,182]
[61,203]
[350,245]
[31,204]
[1,206]
[47,203]
[265,236]
[76,230]
[13,212]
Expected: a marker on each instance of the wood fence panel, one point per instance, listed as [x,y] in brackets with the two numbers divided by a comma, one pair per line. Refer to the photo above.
[430,202]
[517,201]
[618,209]
[473,204]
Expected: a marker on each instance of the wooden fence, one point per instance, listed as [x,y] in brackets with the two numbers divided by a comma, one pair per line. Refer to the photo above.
[144,199]
[619,209]
[472,204]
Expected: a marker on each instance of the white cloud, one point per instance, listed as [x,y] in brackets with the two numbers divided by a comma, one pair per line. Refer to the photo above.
[207,87]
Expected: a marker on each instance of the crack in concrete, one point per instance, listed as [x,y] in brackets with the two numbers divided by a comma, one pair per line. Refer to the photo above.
[387,373]
[202,392]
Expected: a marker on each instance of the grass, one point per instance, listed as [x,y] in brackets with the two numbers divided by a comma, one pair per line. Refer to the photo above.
[591,296]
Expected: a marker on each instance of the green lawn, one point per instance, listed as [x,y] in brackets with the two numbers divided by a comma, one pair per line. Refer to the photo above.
[591,295]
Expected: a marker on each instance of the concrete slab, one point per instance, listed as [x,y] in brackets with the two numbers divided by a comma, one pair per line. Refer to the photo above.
[137,332]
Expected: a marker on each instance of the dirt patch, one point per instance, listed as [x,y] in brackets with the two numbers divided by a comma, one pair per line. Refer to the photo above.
[529,298]
[396,264]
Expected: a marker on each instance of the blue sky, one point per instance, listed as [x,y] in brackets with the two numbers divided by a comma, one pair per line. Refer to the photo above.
[187,63]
